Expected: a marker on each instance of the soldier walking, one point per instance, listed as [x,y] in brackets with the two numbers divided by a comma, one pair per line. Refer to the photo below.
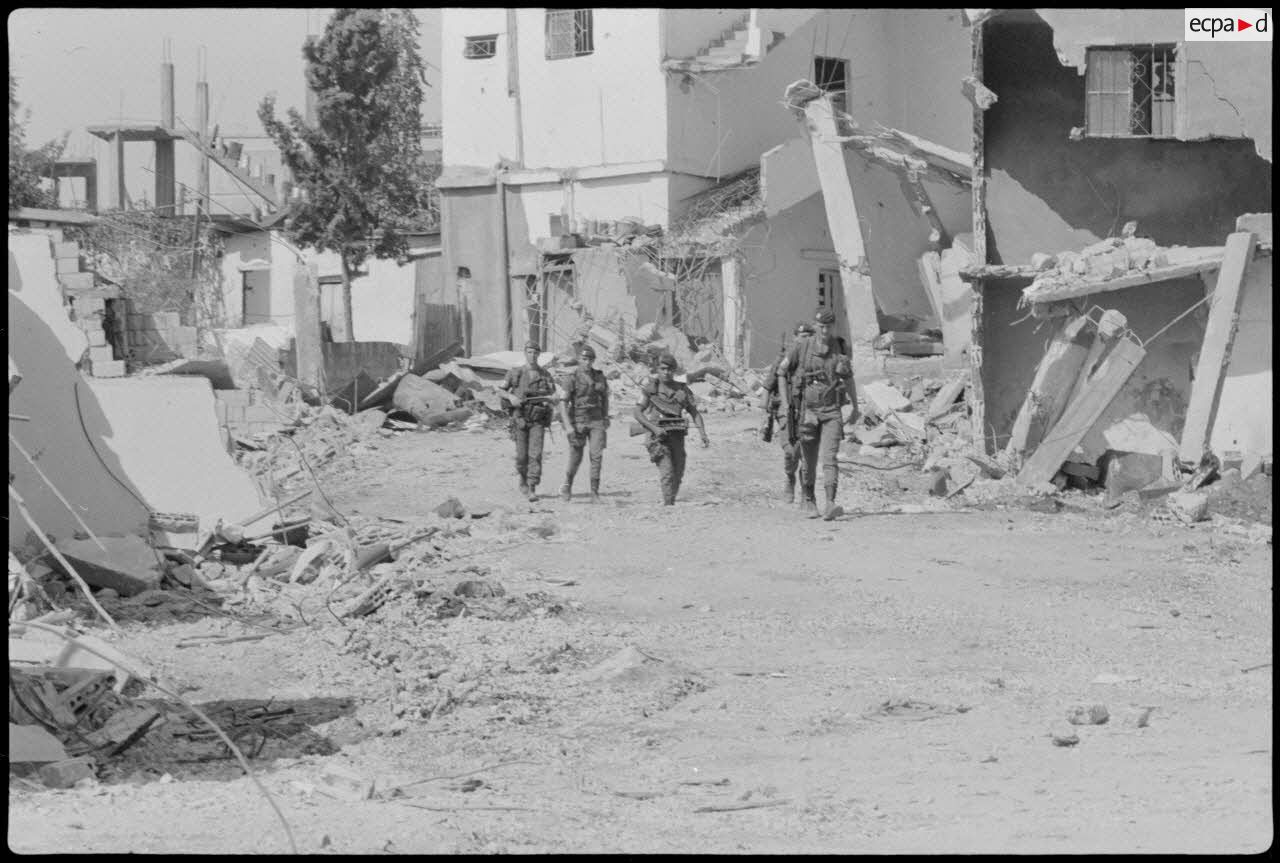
[663,403]
[820,378]
[587,407]
[779,423]
[531,394]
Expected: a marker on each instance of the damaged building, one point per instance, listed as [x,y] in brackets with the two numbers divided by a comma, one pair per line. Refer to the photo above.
[667,107]
[1117,174]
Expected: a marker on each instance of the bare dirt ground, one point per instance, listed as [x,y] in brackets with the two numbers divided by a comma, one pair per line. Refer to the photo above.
[725,676]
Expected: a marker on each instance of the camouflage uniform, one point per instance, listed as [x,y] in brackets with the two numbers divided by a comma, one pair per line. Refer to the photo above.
[530,421]
[587,405]
[819,373]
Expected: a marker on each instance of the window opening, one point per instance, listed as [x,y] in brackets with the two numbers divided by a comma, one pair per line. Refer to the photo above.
[481,47]
[830,74]
[569,33]
[1130,92]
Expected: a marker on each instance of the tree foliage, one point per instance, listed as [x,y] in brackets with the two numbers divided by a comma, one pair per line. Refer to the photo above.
[27,168]
[361,169]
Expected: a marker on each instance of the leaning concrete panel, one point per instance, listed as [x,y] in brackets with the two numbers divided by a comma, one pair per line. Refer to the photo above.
[164,434]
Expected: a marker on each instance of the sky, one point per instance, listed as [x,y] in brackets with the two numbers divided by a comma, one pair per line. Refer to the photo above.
[82,67]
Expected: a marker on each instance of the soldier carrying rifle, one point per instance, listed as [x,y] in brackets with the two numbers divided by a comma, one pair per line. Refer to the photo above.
[663,403]
[534,400]
[779,412]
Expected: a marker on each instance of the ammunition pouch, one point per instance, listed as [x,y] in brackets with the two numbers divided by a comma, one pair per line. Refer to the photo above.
[538,413]
[657,450]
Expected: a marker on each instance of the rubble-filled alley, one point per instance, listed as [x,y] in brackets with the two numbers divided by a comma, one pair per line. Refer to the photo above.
[414,659]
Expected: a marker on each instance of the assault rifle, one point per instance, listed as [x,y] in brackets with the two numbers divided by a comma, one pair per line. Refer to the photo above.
[766,433]
[665,425]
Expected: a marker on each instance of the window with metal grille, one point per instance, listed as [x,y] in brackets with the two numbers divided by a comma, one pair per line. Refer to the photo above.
[569,33]
[481,47]
[830,74]
[1130,92]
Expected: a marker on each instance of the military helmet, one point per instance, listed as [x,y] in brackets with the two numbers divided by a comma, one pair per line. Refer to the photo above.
[667,361]
[804,328]
[824,316]
[532,345]
[587,351]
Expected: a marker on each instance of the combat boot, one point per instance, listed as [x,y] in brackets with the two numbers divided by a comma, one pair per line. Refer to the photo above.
[595,491]
[808,504]
[830,510]
[789,489]
[533,492]
[566,492]
[524,488]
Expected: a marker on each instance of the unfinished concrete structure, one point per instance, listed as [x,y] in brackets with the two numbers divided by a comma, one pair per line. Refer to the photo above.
[1180,147]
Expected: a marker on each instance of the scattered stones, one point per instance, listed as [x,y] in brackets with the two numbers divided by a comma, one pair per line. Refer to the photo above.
[1093,714]
[451,508]
[1064,737]
[477,588]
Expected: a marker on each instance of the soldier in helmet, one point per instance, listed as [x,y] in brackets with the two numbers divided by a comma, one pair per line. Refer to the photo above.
[587,407]
[663,403]
[531,393]
[820,378]
[787,436]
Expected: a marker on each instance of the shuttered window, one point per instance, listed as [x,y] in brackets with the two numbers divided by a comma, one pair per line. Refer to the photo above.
[569,33]
[1130,92]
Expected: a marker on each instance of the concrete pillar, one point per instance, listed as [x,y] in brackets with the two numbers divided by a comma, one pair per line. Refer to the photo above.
[202,119]
[842,221]
[731,282]
[116,196]
[165,165]
[306,323]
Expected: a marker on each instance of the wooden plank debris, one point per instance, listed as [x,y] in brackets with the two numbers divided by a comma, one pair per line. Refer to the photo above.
[1215,351]
[1051,388]
[1097,391]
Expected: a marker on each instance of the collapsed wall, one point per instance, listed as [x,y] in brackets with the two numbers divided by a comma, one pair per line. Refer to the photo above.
[116,449]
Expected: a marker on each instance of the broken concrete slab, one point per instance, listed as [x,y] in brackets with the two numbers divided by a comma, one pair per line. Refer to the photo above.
[1129,471]
[66,773]
[946,398]
[217,371]
[1189,507]
[421,397]
[162,433]
[883,398]
[128,565]
[31,744]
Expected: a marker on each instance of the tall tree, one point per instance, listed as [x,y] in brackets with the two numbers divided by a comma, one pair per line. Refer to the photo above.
[361,169]
[28,167]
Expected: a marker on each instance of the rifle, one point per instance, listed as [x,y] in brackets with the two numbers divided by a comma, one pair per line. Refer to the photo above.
[794,407]
[766,433]
[665,425]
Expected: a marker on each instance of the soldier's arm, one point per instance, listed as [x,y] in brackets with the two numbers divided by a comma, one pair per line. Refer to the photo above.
[695,416]
[604,403]
[507,385]
[639,416]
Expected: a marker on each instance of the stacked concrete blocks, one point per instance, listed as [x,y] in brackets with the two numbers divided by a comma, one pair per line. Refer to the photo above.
[159,337]
[242,414]
[87,310]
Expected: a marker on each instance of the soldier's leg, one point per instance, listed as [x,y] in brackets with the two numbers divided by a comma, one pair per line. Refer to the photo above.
[533,472]
[790,459]
[677,462]
[575,459]
[598,440]
[520,433]
[666,474]
[809,442]
[829,448]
